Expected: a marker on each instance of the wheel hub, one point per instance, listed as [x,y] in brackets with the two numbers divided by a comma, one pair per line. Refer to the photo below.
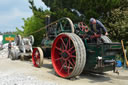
[65,55]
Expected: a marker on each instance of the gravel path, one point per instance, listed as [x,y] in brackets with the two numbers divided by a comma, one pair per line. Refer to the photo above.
[21,79]
[4,53]
[12,76]
[24,73]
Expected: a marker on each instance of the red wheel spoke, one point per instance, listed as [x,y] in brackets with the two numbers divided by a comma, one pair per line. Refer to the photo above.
[62,46]
[64,43]
[59,48]
[73,51]
[63,66]
[73,56]
[68,69]
[71,48]
[36,56]
[59,59]
[68,43]
[66,64]
[71,63]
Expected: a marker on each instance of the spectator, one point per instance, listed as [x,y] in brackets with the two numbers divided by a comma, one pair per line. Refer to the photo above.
[9,48]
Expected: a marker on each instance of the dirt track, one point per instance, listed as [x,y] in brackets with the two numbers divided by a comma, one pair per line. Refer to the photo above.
[46,76]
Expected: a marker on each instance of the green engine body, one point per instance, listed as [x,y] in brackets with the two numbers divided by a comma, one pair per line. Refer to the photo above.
[100,56]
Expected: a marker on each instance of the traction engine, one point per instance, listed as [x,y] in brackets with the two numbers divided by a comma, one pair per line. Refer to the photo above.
[74,49]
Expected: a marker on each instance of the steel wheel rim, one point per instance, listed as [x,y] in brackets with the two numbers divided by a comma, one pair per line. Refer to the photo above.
[63,55]
[36,57]
[62,23]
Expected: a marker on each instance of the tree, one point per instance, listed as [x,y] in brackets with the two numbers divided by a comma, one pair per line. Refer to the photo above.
[89,8]
[34,23]
[113,13]
[117,24]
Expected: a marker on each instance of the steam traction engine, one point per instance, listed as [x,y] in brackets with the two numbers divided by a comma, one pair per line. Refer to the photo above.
[23,48]
[75,49]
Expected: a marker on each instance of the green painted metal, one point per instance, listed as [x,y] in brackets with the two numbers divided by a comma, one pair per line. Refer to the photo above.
[95,50]
[48,43]
[7,38]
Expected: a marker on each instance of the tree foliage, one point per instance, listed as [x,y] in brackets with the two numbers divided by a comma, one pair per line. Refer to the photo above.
[113,13]
[89,8]
[34,23]
[117,24]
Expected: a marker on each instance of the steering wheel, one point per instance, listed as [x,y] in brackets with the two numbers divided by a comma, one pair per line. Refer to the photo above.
[83,27]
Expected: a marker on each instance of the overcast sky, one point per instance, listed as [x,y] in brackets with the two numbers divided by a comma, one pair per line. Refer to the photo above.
[12,12]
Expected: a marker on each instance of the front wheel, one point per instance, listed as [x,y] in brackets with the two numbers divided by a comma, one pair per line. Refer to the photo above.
[37,57]
[68,55]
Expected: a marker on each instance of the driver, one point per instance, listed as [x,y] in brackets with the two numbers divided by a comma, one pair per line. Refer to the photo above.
[97,27]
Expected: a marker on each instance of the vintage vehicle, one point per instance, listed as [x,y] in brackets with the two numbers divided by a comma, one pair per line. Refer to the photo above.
[22,49]
[74,49]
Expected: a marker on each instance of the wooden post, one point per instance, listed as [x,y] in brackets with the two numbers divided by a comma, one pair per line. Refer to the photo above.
[125,57]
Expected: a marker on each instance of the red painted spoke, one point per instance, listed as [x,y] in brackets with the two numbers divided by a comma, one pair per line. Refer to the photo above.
[34,59]
[73,56]
[63,66]
[62,46]
[73,51]
[66,64]
[68,43]
[71,48]
[59,59]
[59,48]
[37,56]
[71,63]
[68,69]
[64,43]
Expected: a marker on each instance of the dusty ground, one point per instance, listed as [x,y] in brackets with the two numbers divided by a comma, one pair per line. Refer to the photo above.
[23,73]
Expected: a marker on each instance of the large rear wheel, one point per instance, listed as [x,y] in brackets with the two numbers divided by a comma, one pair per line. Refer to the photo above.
[37,57]
[68,55]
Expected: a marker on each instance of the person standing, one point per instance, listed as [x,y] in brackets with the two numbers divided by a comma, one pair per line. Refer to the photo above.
[9,48]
